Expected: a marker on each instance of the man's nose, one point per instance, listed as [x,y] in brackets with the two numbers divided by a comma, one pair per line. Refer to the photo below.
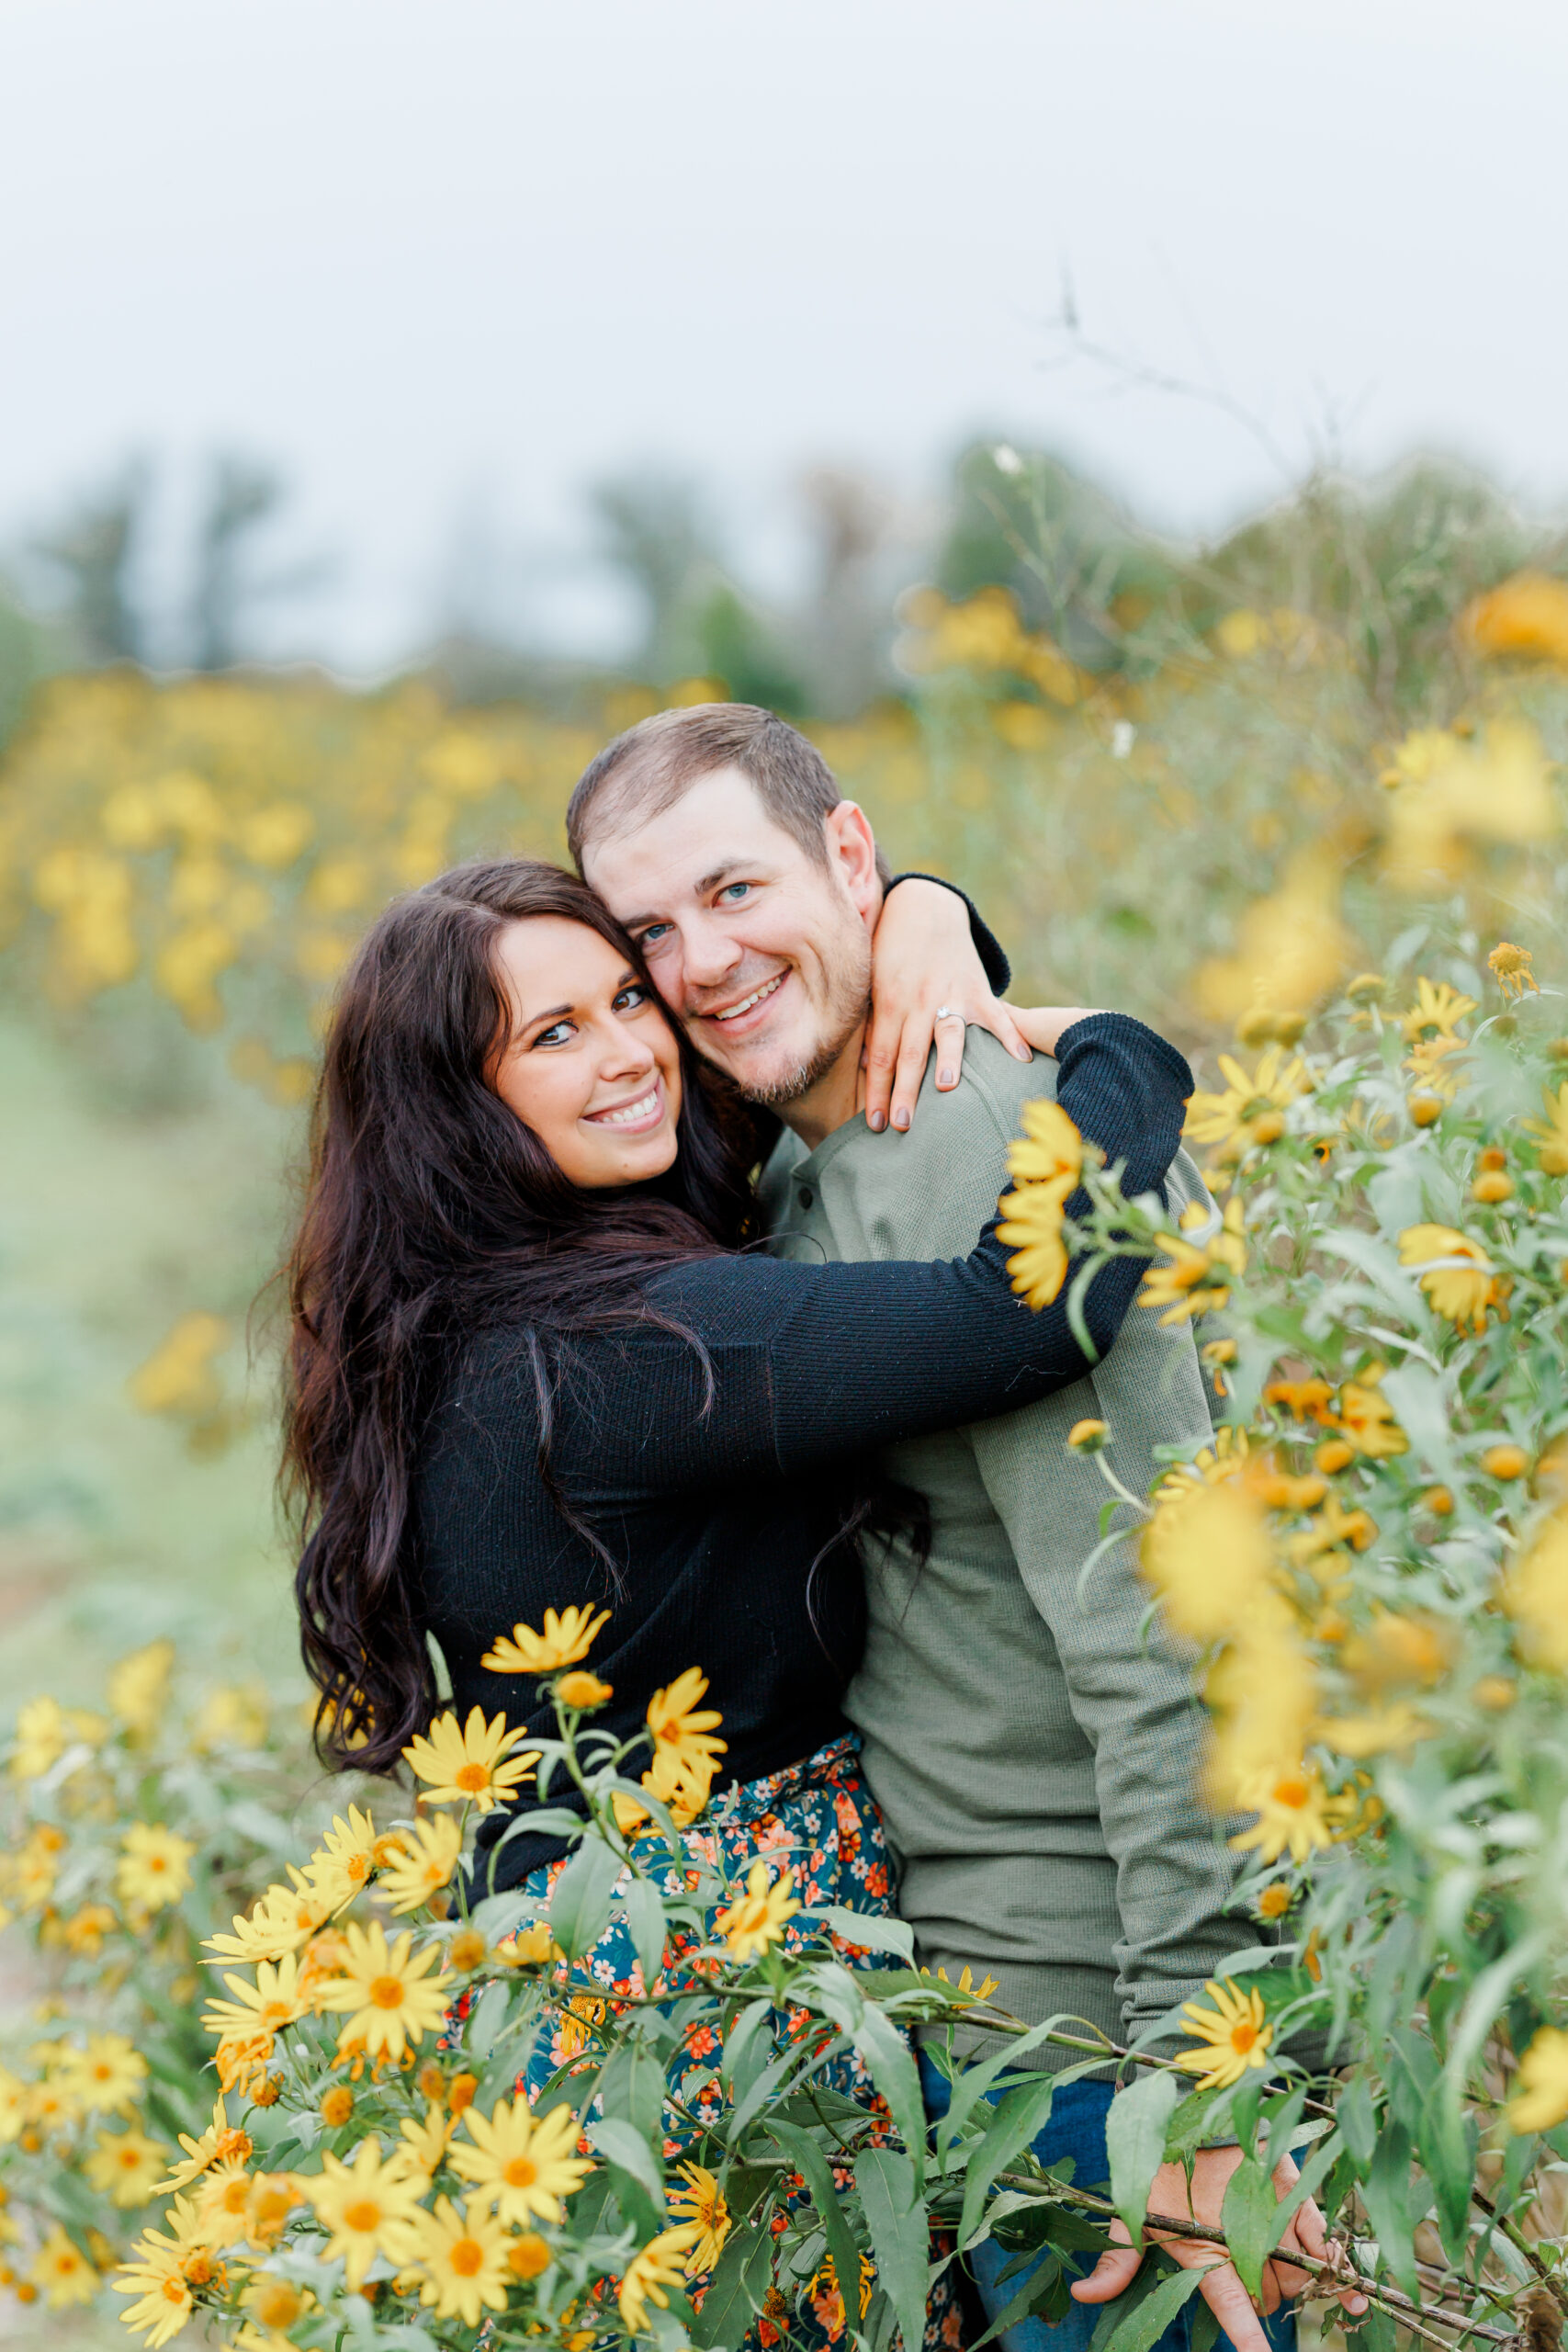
[710,955]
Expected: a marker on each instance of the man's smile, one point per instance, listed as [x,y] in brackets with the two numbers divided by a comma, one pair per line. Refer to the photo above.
[734,1012]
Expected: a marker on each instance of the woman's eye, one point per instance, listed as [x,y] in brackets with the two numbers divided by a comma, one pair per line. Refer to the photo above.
[631,999]
[556,1034]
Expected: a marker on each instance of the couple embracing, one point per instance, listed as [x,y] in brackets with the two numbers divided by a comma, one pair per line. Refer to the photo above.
[557,1342]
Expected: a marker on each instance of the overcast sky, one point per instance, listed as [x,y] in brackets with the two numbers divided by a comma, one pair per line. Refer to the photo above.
[448,261]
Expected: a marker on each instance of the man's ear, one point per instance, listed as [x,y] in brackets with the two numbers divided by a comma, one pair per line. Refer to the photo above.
[851,852]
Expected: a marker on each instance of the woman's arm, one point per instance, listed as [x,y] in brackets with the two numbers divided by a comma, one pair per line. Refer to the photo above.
[925,958]
[812,1364]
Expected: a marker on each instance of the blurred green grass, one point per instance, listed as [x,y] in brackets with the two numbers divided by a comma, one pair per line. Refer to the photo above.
[112,1222]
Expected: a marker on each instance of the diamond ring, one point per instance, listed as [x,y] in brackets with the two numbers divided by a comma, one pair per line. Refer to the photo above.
[944,1012]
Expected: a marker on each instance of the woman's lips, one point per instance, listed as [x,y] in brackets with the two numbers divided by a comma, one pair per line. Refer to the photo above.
[636,1117]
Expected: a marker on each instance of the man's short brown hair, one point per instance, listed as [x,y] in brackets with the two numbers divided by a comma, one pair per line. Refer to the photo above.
[649,767]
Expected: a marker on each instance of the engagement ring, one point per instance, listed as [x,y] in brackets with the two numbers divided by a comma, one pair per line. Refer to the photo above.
[946,1012]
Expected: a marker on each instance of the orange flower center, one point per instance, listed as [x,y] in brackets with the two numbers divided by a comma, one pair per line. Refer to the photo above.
[235,2193]
[175,2292]
[1294,1792]
[231,2143]
[468,2257]
[521,2173]
[471,1779]
[386,1992]
[364,2215]
[131,2158]
[157,1862]
[1242,2036]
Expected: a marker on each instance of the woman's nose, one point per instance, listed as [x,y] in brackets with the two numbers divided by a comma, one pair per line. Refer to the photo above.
[624,1053]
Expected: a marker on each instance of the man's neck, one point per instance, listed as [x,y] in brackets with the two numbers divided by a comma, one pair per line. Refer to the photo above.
[832,1102]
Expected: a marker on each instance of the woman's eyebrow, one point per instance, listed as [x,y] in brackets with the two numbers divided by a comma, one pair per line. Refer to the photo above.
[556,1012]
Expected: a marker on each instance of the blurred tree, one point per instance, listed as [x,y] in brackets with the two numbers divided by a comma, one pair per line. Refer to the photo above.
[656,535]
[844,629]
[242,496]
[94,552]
[29,652]
[736,645]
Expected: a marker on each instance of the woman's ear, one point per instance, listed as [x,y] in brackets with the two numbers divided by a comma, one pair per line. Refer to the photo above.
[851,850]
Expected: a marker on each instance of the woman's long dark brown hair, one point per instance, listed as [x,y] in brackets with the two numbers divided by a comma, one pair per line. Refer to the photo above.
[433,1215]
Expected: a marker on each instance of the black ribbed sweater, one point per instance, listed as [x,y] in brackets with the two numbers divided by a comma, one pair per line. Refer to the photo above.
[716,1510]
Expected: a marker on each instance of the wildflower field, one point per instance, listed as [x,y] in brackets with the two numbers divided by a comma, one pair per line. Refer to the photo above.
[258,2060]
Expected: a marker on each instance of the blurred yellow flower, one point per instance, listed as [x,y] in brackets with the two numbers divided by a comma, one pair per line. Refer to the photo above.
[756,1920]
[61,2272]
[1551,1133]
[367,2208]
[284,1919]
[1050,1150]
[566,1641]
[1291,947]
[473,1766]
[1208,1556]
[154,1869]
[1031,1227]
[1251,1110]
[1525,614]
[138,1685]
[156,2275]
[123,2167]
[1368,1421]
[1194,1278]
[520,2164]
[1235,2033]
[218,2142]
[390,1997]
[1290,1816]
[423,1862]
[1540,2090]
[1461,1288]
[1510,967]
[108,2075]
[658,2266]
[1535,1595]
[1438,1006]
[43,1734]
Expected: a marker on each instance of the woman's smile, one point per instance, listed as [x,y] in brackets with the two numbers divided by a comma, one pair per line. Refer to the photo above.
[638,1117]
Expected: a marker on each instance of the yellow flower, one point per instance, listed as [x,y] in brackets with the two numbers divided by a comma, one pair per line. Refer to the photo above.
[1510,968]
[273,2196]
[1196,1277]
[1540,2096]
[566,1641]
[1437,1007]
[466,1767]
[343,1862]
[1527,614]
[123,2167]
[273,2303]
[284,1919]
[701,2200]
[657,2267]
[139,1684]
[1368,1421]
[583,1690]
[521,2164]
[1251,1110]
[683,1733]
[1551,1134]
[43,1736]
[157,2275]
[1461,1292]
[1052,1149]
[1535,1595]
[1234,2036]
[230,1716]
[367,2208]
[108,2075]
[391,1998]
[427,2141]
[264,2007]
[61,2272]
[423,1862]
[1208,1556]
[464,2261]
[1273,1902]
[223,2203]
[217,2144]
[1290,1809]
[1088,1437]
[155,1865]
[756,1920]
[1031,1227]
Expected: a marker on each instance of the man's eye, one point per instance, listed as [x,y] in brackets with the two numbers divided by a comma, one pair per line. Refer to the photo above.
[735,891]
[654,937]
[630,999]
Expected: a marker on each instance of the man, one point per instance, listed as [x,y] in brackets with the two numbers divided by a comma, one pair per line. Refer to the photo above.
[1034,1756]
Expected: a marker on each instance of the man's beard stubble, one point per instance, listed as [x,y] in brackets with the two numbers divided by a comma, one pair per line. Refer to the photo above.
[848,1006]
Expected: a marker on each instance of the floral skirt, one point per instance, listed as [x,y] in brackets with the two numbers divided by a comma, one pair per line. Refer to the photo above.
[818,1820]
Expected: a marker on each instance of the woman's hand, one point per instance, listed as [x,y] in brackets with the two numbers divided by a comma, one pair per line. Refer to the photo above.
[1044,1027]
[923,963]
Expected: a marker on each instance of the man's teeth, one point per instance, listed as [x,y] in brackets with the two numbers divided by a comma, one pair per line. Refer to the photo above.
[734,1012]
[628,1111]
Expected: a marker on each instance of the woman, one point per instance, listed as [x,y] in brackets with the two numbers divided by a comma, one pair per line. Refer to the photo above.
[535,1367]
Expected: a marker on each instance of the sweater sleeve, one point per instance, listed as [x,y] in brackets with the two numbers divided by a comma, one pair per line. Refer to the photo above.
[804,1366]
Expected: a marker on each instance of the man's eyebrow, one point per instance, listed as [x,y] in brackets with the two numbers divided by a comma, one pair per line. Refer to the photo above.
[700,888]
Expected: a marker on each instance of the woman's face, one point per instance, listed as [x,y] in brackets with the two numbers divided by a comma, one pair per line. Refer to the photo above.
[589,1062]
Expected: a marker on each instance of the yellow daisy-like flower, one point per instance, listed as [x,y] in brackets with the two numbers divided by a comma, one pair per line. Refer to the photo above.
[756,1920]
[521,2164]
[343,1862]
[473,1766]
[566,1641]
[427,2141]
[1236,2036]
[701,2200]
[658,2266]
[682,1783]
[220,2142]
[223,2201]
[1541,2093]
[274,2001]
[108,2074]
[1551,1134]
[154,1869]
[1535,1595]
[1088,1437]
[284,1919]
[123,2167]
[422,1863]
[464,2262]
[43,1735]
[1437,1007]
[61,2272]
[388,1991]
[1368,1421]
[1251,1110]
[1290,1816]
[273,2196]
[1461,1292]
[138,1685]
[367,2208]
[156,2275]
[1051,1149]
[1208,1555]
[682,1732]
[1032,1228]
[1195,1277]
[1510,968]
[583,1690]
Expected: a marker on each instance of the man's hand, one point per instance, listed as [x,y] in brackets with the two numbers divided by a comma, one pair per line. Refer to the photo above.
[1221,2290]
[923,962]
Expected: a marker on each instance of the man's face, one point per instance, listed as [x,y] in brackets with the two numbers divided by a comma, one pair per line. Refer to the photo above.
[762,952]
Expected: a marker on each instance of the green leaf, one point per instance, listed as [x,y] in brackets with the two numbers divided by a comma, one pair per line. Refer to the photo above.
[624,2147]
[812,2166]
[744,2051]
[632,2086]
[1248,2217]
[579,1907]
[1358,2121]
[645,1921]
[1447,2143]
[872,1931]
[486,2018]
[1018,2117]
[896,2217]
[1203,2330]
[1135,2141]
[1386,2193]
[737,2288]
[891,2063]
[1141,2327]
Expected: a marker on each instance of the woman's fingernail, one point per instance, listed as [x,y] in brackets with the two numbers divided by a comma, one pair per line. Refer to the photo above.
[900,1119]
[1023,1053]
[947,1078]
[876,1121]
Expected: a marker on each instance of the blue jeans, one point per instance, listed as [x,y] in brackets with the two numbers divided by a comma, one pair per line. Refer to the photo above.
[1077,2128]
